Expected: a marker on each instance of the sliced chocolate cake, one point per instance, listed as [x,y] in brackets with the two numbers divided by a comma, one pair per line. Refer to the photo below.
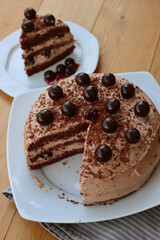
[114,124]
[44,40]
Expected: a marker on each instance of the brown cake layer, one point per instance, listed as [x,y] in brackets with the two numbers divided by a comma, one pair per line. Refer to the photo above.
[39,39]
[45,65]
[59,135]
[61,157]
[43,49]
[52,149]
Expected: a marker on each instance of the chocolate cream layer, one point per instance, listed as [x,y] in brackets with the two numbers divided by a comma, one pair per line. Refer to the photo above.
[50,146]
[40,59]
[49,44]
[39,67]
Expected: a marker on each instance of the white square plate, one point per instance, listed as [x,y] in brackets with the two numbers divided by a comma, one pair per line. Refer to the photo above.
[13,79]
[43,204]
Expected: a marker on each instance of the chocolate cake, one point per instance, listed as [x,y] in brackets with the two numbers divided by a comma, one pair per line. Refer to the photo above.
[111,121]
[44,40]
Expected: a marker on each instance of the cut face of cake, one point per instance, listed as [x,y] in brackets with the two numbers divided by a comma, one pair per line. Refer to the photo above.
[114,124]
[44,41]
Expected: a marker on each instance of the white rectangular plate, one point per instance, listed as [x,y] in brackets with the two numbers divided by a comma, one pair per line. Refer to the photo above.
[13,79]
[43,204]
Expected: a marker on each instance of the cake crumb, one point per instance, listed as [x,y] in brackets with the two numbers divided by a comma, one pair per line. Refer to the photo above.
[38,183]
[64,163]
[60,197]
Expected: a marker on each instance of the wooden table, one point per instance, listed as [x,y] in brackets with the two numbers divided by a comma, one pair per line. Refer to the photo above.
[129,38]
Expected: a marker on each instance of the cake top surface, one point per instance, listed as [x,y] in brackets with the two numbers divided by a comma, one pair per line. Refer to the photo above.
[37,24]
[124,154]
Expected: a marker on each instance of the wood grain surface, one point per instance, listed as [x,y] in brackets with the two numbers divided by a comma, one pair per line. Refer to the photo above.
[129,38]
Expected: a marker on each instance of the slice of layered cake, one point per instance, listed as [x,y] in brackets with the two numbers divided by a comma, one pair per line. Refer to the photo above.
[114,124]
[44,40]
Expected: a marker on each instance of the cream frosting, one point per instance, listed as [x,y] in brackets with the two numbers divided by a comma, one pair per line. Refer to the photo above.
[58,152]
[39,59]
[68,37]
[54,144]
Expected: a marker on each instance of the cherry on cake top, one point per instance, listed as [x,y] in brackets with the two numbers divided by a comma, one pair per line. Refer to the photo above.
[132,135]
[82,79]
[45,117]
[103,153]
[109,125]
[108,79]
[142,109]
[30,14]
[27,26]
[90,93]
[127,90]
[49,19]
[112,106]
[68,109]
[55,92]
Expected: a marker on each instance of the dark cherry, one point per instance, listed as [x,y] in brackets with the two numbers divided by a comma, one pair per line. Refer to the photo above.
[55,92]
[82,79]
[49,19]
[60,69]
[112,105]
[45,117]
[132,135]
[27,26]
[127,90]
[30,13]
[47,155]
[29,61]
[46,54]
[103,153]
[49,75]
[68,109]
[142,109]
[109,125]
[70,69]
[69,61]
[108,79]
[91,114]
[90,93]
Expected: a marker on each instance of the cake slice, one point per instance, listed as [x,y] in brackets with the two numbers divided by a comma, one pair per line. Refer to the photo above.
[44,41]
[114,124]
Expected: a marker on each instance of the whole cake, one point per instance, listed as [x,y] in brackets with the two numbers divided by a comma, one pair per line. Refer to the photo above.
[114,124]
[44,40]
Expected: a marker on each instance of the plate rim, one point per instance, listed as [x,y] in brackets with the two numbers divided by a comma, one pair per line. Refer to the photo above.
[9,173]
